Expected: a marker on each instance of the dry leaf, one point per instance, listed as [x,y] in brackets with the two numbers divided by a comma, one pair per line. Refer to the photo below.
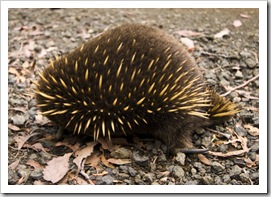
[254,131]
[187,33]
[106,163]
[189,43]
[119,161]
[57,168]
[237,23]
[22,139]
[82,154]
[204,159]
[101,174]
[222,33]
[13,127]
[94,161]
[228,154]
[106,144]
[67,144]
[33,163]
[245,16]
[14,164]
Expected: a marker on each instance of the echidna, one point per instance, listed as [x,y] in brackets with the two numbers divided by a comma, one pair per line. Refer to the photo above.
[131,79]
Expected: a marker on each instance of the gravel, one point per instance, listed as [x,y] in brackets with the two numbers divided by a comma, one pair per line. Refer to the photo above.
[228,61]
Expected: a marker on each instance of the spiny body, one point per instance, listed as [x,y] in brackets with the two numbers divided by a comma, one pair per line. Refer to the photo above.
[130,79]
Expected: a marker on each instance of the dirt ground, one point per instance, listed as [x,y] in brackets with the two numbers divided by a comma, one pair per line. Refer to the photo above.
[226,48]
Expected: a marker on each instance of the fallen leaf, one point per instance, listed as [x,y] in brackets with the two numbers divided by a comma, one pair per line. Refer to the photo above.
[222,33]
[34,164]
[237,23]
[94,161]
[245,16]
[57,168]
[14,164]
[22,139]
[82,154]
[13,127]
[254,131]
[101,174]
[228,154]
[204,159]
[106,144]
[119,161]
[189,43]
[187,33]
[38,182]
[67,144]
[106,163]
[37,147]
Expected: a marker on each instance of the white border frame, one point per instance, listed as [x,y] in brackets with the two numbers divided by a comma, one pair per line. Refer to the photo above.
[261,188]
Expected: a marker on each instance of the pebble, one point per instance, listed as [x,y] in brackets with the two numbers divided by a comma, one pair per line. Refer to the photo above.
[140,160]
[226,178]
[121,153]
[235,171]
[245,178]
[217,166]
[180,158]
[207,180]
[104,180]
[178,171]
[132,171]
[19,119]
[12,177]
[36,174]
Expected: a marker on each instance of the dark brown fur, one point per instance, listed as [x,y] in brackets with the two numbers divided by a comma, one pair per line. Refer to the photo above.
[146,94]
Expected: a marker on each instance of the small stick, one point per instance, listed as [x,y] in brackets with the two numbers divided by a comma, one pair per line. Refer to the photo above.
[240,86]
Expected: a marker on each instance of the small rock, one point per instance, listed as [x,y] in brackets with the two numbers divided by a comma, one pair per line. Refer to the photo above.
[121,153]
[18,119]
[239,74]
[181,158]
[207,180]
[244,178]
[140,160]
[235,171]
[105,180]
[162,157]
[36,174]
[13,178]
[217,166]
[132,171]
[226,178]
[124,168]
[193,171]
[178,171]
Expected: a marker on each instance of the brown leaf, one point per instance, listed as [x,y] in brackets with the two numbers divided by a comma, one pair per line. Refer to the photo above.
[245,16]
[67,144]
[254,131]
[82,154]
[204,159]
[13,127]
[14,164]
[22,139]
[187,33]
[94,161]
[119,161]
[228,154]
[106,163]
[33,163]
[106,144]
[57,168]
[101,174]
[37,147]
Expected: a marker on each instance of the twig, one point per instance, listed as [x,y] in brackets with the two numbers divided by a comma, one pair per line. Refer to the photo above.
[240,86]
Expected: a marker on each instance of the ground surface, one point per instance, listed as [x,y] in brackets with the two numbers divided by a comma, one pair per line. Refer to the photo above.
[227,61]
